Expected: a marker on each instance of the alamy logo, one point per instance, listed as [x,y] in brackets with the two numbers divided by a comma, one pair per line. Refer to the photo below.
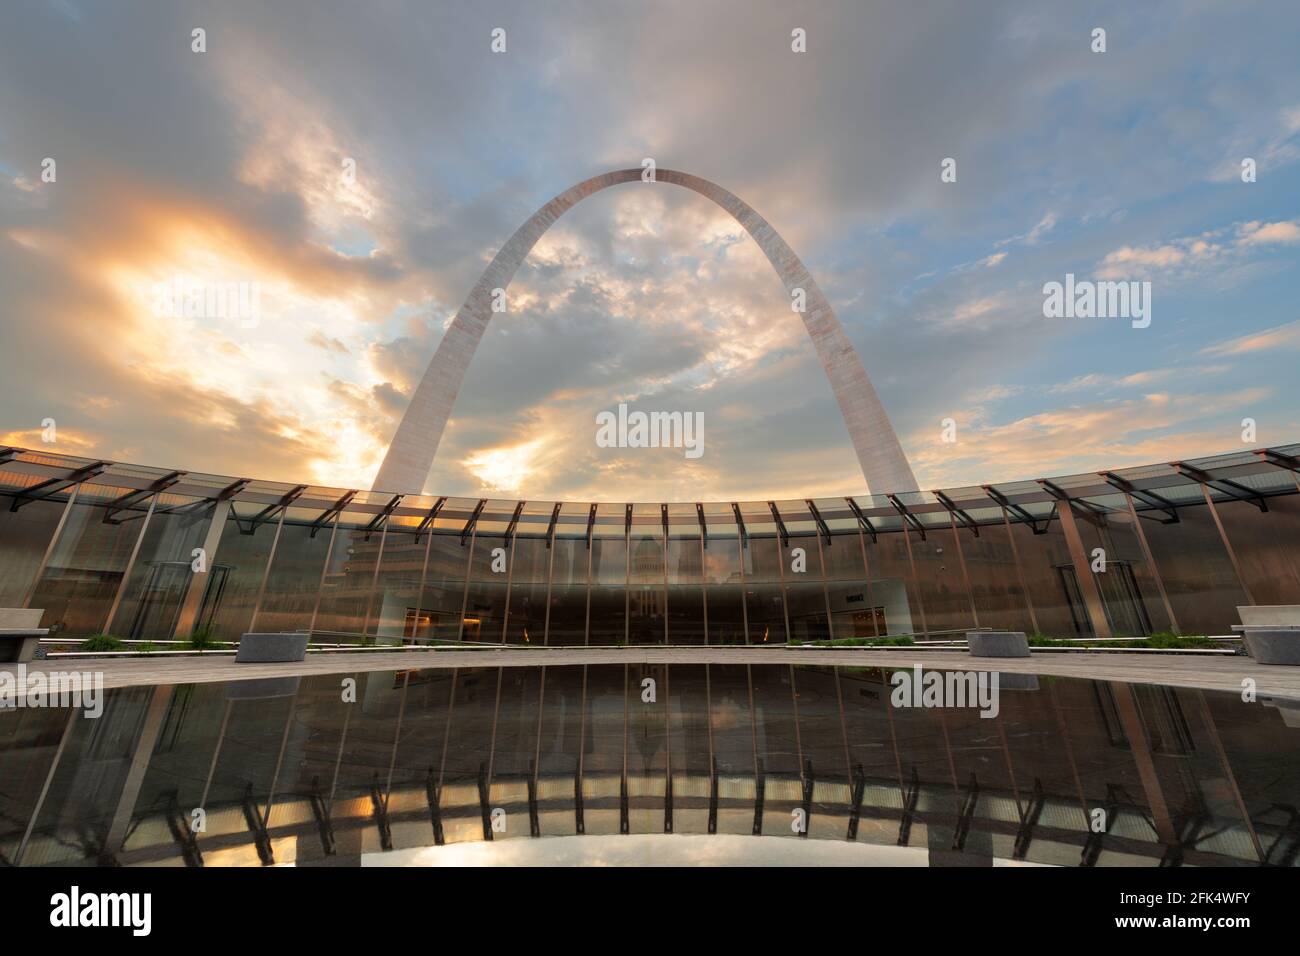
[74,909]
[184,298]
[915,688]
[53,689]
[651,430]
[1086,299]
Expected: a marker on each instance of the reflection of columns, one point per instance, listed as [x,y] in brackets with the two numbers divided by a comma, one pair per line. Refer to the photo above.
[130,565]
[1151,563]
[1083,571]
[1020,572]
[1213,731]
[145,743]
[1227,545]
[1131,720]
[45,787]
[198,583]
[49,549]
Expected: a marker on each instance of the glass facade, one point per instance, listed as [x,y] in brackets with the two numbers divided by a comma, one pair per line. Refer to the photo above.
[149,555]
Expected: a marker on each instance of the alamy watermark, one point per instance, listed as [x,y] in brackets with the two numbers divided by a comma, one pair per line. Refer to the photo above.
[68,689]
[1086,299]
[75,909]
[917,688]
[187,298]
[626,429]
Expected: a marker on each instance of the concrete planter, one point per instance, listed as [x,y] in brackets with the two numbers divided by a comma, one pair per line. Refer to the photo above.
[997,643]
[1271,632]
[20,633]
[1272,645]
[281,648]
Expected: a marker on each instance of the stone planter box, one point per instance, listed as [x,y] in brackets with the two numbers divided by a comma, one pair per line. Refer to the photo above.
[1272,645]
[20,633]
[997,643]
[279,648]
[1271,632]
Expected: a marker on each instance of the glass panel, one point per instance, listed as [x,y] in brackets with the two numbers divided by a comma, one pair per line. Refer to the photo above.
[79,583]
[485,604]
[396,612]
[530,568]
[294,582]
[162,573]
[443,593]
[1198,574]
[764,595]
[349,578]
[231,594]
[24,537]
[567,625]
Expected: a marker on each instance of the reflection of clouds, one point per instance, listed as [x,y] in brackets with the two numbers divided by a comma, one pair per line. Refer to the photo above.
[654,850]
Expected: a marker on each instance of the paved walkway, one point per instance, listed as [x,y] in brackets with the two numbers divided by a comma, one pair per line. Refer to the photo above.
[1208,672]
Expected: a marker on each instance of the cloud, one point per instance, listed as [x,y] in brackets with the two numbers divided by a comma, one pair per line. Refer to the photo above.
[1269,340]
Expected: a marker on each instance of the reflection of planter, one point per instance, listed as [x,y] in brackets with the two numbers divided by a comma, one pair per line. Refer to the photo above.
[266,688]
[282,648]
[1271,632]
[20,633]
[997,643]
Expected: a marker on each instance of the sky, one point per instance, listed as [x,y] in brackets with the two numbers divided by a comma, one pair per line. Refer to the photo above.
[355,167]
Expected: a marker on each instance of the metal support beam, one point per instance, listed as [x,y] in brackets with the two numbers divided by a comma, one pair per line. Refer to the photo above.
[908,517]
[956,512]
[1148,498]
[55,485]
[591,525]
[334,509]
[862,519]
[780,525]
[550,528]
[380,518]
[822,526]
[1015,509]
[271,511]
[473,520]
[1225,485]
[125,501]
[427,520]
[740,524]
[514,521]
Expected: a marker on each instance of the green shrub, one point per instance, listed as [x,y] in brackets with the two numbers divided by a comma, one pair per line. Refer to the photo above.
[204,639]
[1043,640]
[146,648]
[102,642]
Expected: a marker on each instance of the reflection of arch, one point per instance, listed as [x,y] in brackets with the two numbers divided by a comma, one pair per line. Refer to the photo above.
[406,466]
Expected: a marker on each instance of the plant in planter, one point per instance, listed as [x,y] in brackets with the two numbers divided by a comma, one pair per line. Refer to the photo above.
[102,642]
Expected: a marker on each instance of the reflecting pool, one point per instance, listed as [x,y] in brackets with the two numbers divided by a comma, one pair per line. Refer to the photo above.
[642,763]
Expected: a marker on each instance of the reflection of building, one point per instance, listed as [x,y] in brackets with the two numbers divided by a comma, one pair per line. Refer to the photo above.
[149,554]
[287,771]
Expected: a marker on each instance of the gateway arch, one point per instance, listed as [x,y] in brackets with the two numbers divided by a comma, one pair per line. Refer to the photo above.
[410,456]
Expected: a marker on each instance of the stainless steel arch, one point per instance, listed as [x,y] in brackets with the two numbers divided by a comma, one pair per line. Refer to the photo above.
[410,456]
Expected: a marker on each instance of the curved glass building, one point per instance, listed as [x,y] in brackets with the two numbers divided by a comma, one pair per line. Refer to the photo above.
[153,554]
